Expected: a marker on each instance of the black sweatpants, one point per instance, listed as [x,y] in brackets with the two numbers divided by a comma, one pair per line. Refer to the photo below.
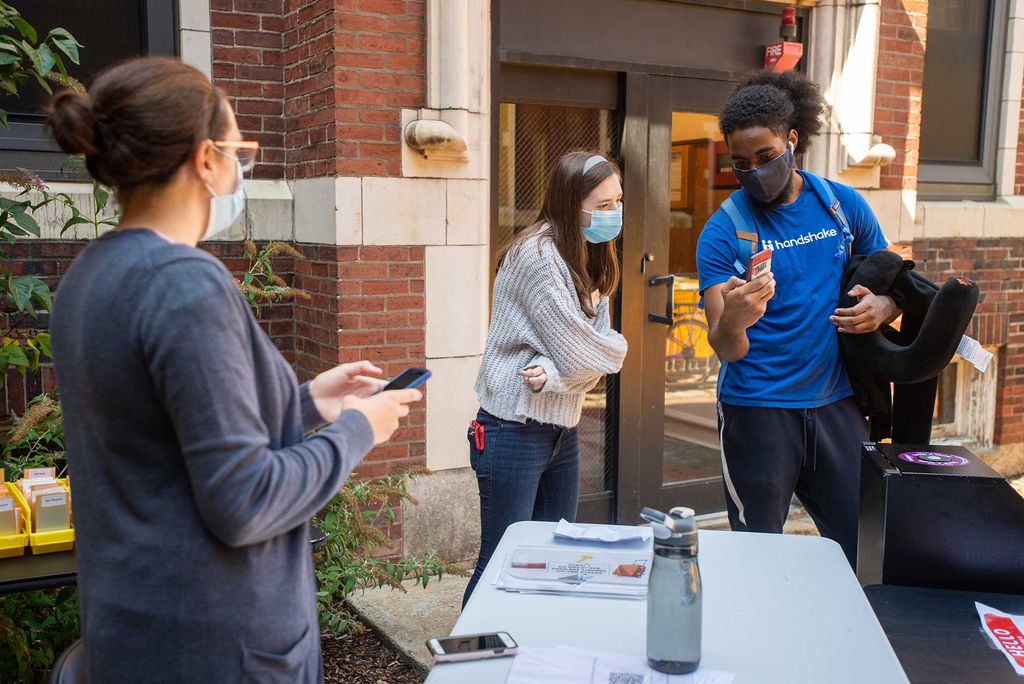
[769,454]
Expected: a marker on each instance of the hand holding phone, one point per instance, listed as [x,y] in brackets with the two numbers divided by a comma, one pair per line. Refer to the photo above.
[407,379]
[759,264]
[472,647]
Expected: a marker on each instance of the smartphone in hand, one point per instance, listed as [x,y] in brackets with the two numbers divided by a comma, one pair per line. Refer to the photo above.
[407,379]
[759,264]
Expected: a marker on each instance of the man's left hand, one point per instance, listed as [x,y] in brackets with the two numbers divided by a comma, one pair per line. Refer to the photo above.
[869,314]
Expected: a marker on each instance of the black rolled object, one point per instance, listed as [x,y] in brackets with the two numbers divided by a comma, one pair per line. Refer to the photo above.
[933,323]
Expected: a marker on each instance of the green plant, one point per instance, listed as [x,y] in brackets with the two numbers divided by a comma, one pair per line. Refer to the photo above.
[35,627]
[75,165]
[259,283]
[23,56]
[349,560]
[36,439]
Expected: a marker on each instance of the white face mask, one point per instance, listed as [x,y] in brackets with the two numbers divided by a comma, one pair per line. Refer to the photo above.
[224,209]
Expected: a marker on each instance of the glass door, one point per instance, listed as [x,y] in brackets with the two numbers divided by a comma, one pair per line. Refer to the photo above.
[533,132]
[677,174]
[699,179]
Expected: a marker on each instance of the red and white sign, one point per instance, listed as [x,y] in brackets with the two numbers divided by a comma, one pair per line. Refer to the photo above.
[1006,631]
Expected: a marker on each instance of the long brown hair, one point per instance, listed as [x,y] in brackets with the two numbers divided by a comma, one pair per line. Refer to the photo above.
[593,266]
[140,121]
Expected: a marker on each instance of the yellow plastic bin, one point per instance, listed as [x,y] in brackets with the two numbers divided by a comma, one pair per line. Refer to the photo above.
[12,545]
[54,540]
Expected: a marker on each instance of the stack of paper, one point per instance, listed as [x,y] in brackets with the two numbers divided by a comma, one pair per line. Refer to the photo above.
[571,571]
[608,534]
[578,666]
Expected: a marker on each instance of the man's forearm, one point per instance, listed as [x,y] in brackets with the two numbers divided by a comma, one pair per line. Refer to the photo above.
[730,345]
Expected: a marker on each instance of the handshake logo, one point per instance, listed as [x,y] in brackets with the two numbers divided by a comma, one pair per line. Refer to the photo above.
[805,239]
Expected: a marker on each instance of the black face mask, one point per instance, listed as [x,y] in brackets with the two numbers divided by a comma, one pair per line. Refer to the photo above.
[769,181]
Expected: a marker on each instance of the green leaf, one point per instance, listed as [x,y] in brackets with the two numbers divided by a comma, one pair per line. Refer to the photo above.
[34,57]
[100,196]
[66,43]
[72,222]
[7,58]
[43,341]
[15,356]
[41,295]
[47,59]
[25,29]
[27,223]
[21,289]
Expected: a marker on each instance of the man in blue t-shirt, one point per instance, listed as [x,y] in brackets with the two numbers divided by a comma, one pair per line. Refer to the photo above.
[788,421]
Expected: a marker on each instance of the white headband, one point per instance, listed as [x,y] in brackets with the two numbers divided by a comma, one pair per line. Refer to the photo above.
[592,162]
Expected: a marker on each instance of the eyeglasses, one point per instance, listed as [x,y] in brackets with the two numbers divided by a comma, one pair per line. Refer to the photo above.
[243,150]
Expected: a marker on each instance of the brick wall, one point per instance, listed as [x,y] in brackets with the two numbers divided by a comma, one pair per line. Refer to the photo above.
[367,303]
[322,84]
[247,65]
[379,70]
[900,77]
[996,265]
[309,57]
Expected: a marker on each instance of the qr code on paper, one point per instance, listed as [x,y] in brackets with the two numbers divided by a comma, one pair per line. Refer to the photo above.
[625,678]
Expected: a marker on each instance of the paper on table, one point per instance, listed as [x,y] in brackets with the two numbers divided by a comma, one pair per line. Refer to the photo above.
[1006,631]
[601,533]
[564,570]
[578,666]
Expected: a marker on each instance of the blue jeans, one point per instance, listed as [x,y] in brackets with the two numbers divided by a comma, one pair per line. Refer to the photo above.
[526,471]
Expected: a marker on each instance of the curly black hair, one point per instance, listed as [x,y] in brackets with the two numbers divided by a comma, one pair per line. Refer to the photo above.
[778,101]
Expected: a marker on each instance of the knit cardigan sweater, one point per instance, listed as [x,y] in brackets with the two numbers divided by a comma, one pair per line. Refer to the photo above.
[537,320]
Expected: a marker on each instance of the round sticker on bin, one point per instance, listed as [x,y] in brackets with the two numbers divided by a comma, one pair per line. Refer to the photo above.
[933,458]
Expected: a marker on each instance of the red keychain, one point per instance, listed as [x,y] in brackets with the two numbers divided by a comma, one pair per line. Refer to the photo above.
[478,435]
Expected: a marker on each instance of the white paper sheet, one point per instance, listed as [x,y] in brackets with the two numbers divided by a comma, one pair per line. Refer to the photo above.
[1006,632]
[971,351]
[577,666]
[608,534]
[564,570]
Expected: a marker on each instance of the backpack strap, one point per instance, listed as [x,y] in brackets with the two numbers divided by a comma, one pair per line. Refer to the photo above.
[738,211]
[828,198]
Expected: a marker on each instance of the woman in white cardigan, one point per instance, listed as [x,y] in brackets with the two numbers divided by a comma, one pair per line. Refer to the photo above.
[550,341]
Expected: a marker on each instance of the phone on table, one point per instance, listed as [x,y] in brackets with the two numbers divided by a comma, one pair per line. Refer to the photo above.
[407,379]
[472,647]
[759,264]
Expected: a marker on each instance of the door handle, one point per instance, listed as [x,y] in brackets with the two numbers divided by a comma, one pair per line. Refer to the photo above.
[669,282]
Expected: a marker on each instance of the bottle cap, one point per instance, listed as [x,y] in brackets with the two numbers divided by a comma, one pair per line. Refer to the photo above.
[678,528]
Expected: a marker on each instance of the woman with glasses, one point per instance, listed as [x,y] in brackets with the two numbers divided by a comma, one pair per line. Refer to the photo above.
[193,480]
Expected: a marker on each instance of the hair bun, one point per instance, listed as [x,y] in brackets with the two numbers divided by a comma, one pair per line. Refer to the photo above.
[72,120]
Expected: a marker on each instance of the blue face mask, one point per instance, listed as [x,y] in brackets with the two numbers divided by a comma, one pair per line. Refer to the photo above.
[224,209]
[605,225]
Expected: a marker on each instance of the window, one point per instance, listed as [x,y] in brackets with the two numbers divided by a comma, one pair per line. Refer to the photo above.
[109,30]
[963,68]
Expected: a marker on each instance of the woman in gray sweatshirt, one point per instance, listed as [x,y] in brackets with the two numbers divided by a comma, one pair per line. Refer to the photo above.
[550,341]
[193,482]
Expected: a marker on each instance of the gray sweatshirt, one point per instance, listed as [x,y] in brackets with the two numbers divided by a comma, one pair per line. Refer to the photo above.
[191,480]
[537,320]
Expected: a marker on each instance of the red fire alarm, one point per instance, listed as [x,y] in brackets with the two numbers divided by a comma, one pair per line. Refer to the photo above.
[784,55]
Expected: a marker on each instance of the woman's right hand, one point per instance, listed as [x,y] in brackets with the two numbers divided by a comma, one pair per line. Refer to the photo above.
[745,303]
[384,410]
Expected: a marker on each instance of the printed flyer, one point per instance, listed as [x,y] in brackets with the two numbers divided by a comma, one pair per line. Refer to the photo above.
[539,568]
[1006,632]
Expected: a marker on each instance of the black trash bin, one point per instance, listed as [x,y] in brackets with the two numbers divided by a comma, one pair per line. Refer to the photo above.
[937,516]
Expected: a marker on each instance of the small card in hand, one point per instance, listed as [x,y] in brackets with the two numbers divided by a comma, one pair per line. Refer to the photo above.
[759,264]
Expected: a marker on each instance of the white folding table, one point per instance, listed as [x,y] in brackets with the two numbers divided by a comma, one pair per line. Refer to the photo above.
[777,608]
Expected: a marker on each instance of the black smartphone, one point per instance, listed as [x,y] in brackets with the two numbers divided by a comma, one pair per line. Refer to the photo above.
[407,379]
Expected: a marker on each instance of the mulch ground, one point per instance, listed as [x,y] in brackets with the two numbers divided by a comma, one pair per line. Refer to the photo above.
[364,658]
